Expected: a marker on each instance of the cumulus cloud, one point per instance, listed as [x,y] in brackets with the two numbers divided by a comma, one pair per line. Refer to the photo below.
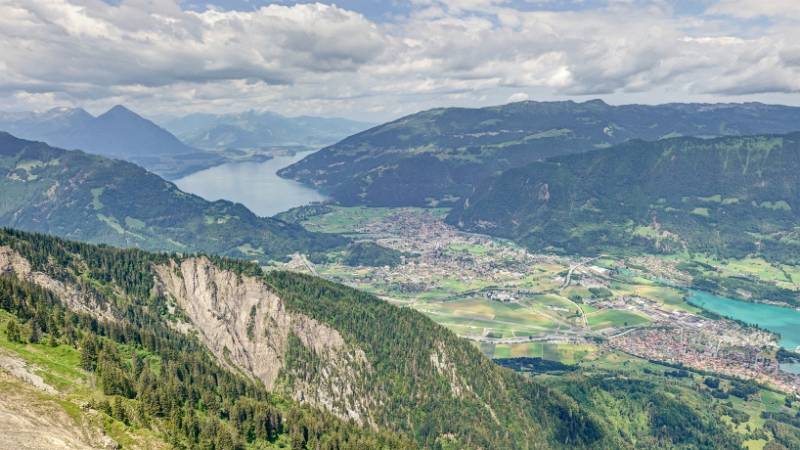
[155,43]
[518,97]
[323,59]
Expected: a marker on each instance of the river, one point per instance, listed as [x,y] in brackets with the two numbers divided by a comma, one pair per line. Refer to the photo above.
[253,184]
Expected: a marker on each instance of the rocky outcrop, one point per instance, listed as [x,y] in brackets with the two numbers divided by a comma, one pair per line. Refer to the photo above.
[12,263]
[249,328]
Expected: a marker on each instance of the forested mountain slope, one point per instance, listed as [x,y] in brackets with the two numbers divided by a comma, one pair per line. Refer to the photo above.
[95,199]
[730,196]
[123,370]
[439,156]
[146,326]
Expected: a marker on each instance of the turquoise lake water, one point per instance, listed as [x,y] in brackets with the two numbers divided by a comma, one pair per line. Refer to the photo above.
[785,321]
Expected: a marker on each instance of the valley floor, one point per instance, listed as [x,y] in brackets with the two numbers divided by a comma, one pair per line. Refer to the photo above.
[514,303]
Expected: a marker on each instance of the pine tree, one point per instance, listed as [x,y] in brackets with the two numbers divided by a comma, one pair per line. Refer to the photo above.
[141,414]
[137,364]
[12,331]
[35,333]
[106,407]
[71,335]
[88,355]
[119,411]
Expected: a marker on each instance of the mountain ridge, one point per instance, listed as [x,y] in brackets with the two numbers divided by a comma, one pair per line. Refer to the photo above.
[730,196]
[88,197]
[438,156]
[285,319]
[410,381]
[254,129]
[117,133]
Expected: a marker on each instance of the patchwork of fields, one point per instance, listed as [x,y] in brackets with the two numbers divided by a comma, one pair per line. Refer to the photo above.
[511,302]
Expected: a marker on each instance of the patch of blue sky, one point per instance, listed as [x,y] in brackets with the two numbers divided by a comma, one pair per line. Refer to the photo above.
[375,10]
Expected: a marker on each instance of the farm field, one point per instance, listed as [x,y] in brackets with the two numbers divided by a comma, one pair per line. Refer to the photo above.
[515,303]
[615,319]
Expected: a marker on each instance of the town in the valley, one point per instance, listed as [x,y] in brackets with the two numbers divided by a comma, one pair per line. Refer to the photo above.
[515,303]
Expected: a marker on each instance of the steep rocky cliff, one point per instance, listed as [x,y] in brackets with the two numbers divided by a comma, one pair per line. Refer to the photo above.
[247,326]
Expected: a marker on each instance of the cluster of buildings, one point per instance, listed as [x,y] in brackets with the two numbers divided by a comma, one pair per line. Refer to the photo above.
[714,346]
[443,254]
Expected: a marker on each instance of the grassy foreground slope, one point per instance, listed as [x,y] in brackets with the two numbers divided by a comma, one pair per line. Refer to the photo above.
[730,197]
[91,198]
[437,157]
[435,390]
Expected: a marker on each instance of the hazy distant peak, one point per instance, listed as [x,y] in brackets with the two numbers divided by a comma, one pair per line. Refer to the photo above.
[120,111]
[257,128]
[66,111]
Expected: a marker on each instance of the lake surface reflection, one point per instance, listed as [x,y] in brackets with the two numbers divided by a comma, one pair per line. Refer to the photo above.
[255,185]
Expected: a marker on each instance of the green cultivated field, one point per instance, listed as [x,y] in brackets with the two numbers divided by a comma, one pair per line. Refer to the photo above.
[615,319]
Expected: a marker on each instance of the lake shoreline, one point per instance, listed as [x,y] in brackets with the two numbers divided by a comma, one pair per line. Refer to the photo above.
[783,321]
[255,185]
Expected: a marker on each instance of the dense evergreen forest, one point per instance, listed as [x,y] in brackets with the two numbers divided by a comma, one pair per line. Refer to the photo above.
[153,376]
[436,390]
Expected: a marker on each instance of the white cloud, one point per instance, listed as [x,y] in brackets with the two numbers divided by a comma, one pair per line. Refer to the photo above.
[518,97]
[757,8]
[156,43]
[318,59]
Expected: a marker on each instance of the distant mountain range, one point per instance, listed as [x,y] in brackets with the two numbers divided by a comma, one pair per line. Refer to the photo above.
[730,196]
[118,133]
[203,140]
[95,199]
[438,157]
[253,129]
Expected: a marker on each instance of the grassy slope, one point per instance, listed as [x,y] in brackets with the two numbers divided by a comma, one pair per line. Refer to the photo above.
[646,196]
[59,367]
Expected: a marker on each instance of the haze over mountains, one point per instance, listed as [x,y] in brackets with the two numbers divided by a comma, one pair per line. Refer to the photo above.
[253,129]
[438,157]
[201,142]
[96,199]
[118,133]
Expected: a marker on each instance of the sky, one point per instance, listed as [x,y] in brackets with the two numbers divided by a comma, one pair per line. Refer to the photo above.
[377,60]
